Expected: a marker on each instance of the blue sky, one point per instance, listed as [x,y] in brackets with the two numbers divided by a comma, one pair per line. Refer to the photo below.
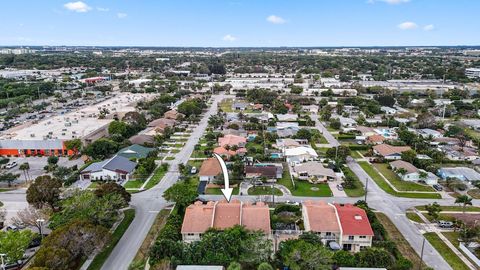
[231,23]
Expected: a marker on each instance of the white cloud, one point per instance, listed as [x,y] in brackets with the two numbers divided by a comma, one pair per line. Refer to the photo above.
[77,6]
[390,2]
[429,27]
[121,15]
[407,26]
[276,19]
[229,38]
[103,9]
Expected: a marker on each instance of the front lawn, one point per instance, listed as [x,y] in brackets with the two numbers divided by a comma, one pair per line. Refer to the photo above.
[359,189]
[453,208]
[387,188]
[218,191]
[306,189]
[157,176]
[101,257]
[355,154]
[448,255]
[133,184]
[414,217]
[474,193]
[399,183]
[264,190]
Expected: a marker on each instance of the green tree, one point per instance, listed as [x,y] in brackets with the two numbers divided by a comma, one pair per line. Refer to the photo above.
[304,133]
[344,258]
[101,148]
[9,178]
[182,193]
[14,244]
[74,145]
[118,127]
[52,160]
[409,155]
[433,210]
[340,154]
[335,123]
[113,188]
[464,200]
[65,247]
[25,167]
[61,173]
[234,266]
[374,257]
[300,254]
[45,190]
[265,266]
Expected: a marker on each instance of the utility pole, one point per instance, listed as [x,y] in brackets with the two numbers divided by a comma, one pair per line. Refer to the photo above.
[366,190]
[273,196]
[3,263]
[40,222]
[421,255]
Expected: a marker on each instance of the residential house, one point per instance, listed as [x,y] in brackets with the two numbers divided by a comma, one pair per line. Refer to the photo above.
[300,154]
[366,131]
[287,117]
[375,139]
[159,125]
[142,139]
[390,152]
[429,133]
[388,110]
[461,173]
[347,123]
[289,143]
[221,215]
[117,168]
[239,106]
[310,109]
[173,114]
[357,233]
[135,151]
[232,140]
[412,173]
[313,171]
[228,153]
[271,171]
[321,218]
[210,170]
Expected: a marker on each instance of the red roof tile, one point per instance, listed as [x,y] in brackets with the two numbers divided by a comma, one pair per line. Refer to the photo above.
[353,220]
[198,217]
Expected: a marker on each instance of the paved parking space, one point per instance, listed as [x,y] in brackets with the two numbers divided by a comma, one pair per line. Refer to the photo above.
[37,164]
[336,193]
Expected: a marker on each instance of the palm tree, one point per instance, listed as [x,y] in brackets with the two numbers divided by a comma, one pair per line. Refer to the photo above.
[465,200]
[25,167]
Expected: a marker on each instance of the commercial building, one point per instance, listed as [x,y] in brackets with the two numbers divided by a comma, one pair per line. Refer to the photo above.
[472,73]
[47,137]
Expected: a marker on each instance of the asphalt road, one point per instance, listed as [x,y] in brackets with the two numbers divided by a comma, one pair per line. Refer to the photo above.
[326,134]
[147,204]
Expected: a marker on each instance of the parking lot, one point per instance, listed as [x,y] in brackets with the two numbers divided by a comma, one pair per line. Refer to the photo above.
[36,167]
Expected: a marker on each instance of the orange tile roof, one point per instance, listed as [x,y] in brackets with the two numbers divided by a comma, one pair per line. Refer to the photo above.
[376,138]
[210,167]
[227,214]
[231,140]
[322,217]
[256,217]
[198,217]
[386,149]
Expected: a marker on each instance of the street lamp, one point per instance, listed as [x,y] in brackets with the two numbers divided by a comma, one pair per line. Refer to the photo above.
[3,263]
[40,222]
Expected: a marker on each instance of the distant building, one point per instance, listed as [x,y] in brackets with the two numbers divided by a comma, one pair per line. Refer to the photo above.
[314,172]
[210,170]
[472,73]
[135,151]
[461,173]
[412,173]
[390,152]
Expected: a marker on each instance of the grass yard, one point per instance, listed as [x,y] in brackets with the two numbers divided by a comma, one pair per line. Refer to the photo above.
[399,183]
[133,184]
[453,208]
[414,217]
[175,151]
[452,259]
[226,105]
[157,176]
[359,189]
[169,158]
[264,190]
[387,188]
[143,252]
[402,244]
[218,191]
[101,257]
[286,180]
[306,189]
[474,193]
[321,139]
[355,154]
[93,185]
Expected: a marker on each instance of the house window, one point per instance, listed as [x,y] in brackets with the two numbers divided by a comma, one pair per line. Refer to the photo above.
[347,247]
[362,236]
[351,237]
[328,233]
[86,176]
[124,177]
[363,247]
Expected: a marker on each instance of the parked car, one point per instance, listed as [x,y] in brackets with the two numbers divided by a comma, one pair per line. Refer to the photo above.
[438,187]
[11,165]
[193,170]
[12,228]
[445,224]
[339,187]
[292,203]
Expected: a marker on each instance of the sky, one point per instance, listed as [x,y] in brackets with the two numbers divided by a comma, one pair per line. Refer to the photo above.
[240,23]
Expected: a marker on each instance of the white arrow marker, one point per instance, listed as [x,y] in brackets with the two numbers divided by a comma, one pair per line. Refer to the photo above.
[227,190]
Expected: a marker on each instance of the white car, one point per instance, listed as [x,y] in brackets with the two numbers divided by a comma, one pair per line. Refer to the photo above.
[193,170]
[11,165]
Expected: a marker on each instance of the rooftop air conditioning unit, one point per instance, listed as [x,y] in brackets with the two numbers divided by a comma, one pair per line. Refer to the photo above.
[32,135]
[68,124]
